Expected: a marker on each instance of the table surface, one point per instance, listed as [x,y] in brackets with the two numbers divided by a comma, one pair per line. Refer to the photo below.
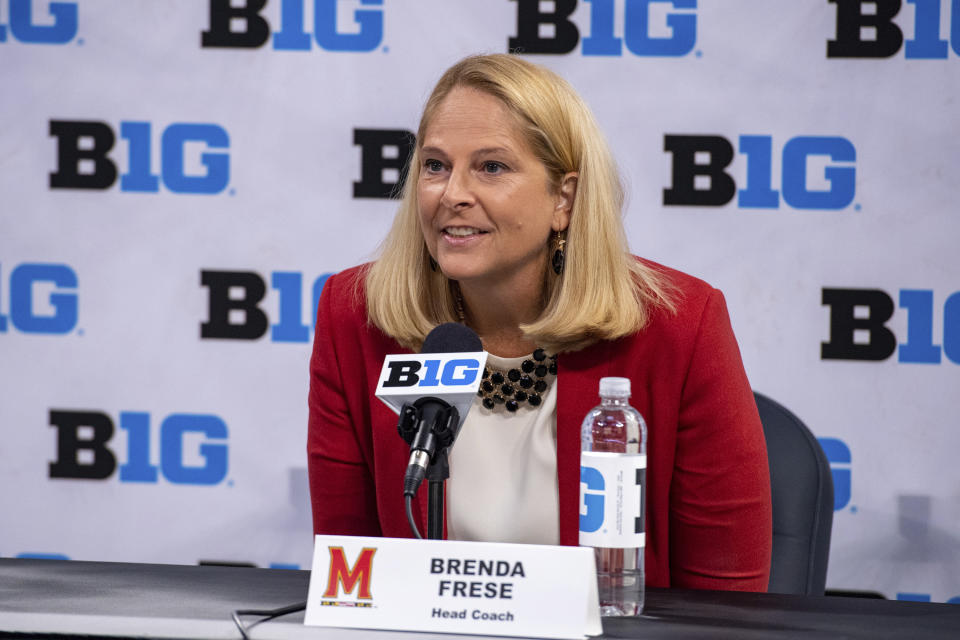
[173,601]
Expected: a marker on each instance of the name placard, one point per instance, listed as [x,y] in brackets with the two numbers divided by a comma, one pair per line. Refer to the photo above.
[450,586]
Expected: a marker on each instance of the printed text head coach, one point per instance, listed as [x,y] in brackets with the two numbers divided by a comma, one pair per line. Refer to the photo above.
[510,223]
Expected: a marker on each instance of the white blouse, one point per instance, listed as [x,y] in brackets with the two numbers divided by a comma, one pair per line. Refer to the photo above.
[503,471]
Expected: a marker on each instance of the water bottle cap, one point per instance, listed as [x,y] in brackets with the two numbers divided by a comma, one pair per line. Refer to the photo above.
[616,387]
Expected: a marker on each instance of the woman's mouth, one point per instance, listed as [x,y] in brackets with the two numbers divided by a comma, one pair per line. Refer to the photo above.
[461,232]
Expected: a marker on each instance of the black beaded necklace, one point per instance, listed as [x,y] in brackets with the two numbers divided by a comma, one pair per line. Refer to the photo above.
[515,386]
[510,388]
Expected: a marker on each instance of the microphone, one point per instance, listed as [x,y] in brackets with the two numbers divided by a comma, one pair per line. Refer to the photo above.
[432,392]
[430,424]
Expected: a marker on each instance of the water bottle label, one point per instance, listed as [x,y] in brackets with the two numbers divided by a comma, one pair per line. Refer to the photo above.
[611,499]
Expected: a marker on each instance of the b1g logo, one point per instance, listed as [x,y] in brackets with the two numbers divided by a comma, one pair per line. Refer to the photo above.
[838,455]
[43,299]
[650,27]
[874,19]
[239,24]
[384,160]
[83,454]
[700,180]
[343,580]
[924,597]
[611,499]
[422,372]
[591,499]
[406,379]
[57,25]
[234,311]
[83,163]
[858,329]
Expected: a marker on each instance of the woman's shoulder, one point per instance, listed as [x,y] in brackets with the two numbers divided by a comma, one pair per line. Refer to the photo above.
[342,311]
[689,294]
[697,308]
[671,333]
[349,281]
[343,298]
[345,290]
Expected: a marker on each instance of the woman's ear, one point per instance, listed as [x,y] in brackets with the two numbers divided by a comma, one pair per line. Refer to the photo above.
[565,198]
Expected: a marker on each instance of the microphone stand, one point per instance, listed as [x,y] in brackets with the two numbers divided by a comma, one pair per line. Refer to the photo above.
[437,472]
[434,433]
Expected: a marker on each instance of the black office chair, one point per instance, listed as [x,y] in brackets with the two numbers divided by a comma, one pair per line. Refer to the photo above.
[802,490]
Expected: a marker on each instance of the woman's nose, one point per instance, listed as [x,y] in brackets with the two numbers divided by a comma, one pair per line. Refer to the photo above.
[458,193]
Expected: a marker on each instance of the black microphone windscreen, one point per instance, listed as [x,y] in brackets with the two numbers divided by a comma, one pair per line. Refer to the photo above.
[451,337]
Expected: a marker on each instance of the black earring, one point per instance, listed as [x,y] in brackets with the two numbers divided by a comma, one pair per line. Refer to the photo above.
[558,255]
[433,264]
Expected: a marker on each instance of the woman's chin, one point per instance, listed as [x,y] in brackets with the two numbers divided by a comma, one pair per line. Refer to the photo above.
[457,270]
[458,273]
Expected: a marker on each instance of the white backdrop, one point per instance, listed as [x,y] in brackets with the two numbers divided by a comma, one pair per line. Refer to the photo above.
[199,442]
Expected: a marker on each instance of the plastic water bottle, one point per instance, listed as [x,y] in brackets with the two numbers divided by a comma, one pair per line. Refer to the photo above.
[613,465]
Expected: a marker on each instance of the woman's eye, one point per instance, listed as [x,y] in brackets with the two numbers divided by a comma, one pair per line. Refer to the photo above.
[433,165]
[492,167]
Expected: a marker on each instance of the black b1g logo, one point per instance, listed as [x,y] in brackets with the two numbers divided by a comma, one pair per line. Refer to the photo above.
[865,29]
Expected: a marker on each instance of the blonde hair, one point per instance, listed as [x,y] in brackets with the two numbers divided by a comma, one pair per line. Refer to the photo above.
[603,292]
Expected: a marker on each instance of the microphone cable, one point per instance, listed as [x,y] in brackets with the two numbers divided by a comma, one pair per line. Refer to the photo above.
[267,614]
[408,503]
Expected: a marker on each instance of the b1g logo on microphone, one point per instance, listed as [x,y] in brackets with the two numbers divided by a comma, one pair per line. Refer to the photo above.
[344,580]
[664,28]
[452,377]
[235,312]
[42,299]
[240,24]
[865,29]
[188,163]
[456,370]
[858,326]
[699,178]
[54,23]
[192,447]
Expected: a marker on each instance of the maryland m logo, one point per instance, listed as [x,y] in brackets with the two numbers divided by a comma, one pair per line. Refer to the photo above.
[348,577]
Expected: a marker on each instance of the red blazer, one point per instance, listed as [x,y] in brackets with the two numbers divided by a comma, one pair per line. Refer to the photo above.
[708,513]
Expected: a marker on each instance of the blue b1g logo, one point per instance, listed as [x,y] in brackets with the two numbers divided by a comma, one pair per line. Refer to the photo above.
[240,24]
[83,163]
[592,487]
[83,451]
[666,28]
[700,179]
[859,331]
[838,454]
[432,372]
[27,27]
[42,299]
[923,597]
[618,522]
[235,311]
[865,29]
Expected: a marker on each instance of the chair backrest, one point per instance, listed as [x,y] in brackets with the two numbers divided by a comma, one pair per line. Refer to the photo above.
[802,490]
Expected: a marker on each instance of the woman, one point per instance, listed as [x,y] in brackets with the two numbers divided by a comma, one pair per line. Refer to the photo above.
[510,223]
